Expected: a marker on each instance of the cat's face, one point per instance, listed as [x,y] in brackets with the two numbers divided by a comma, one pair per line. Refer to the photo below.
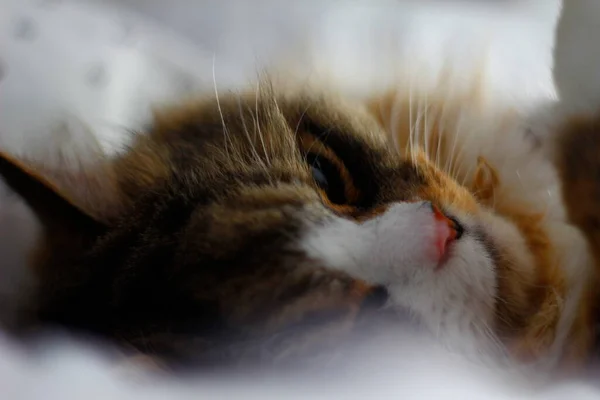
[256,215]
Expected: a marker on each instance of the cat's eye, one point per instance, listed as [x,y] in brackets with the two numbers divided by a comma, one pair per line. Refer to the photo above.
[327,176]
[319,176]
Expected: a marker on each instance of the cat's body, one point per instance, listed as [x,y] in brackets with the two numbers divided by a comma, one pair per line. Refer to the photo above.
[212,231]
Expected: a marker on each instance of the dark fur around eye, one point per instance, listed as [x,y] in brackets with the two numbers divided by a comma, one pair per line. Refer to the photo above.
[327,176]
[194,246]
[358,158]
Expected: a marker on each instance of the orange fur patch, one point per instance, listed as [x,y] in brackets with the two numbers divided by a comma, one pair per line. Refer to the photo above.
[441,189]
[530,302]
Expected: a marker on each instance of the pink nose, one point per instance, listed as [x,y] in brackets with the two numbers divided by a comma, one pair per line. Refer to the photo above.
[446,231]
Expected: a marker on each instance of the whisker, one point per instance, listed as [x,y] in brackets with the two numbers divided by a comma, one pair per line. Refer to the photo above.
[461,151]
[418,118]
[442,128]
[326,133]
[453,158]
[250,141]
[276,104]
[410,124]
[300,120]
[257,124]
[225,131]
[466,175]
[438,150]
[394,122]
[488,333]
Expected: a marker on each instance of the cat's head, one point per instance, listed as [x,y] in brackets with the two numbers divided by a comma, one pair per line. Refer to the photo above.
[258,216]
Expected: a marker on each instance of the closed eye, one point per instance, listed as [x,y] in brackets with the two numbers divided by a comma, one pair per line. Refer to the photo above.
[330,173]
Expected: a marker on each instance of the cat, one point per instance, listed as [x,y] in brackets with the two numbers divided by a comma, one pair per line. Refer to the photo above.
[266,225]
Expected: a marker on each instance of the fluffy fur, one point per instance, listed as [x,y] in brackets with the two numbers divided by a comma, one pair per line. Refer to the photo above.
[188,217]
[545,265]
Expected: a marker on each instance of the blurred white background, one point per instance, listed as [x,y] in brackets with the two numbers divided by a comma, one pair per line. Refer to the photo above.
[106,64]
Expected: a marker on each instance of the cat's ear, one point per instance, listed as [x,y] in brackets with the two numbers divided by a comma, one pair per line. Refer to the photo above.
[485,181]
[62,175]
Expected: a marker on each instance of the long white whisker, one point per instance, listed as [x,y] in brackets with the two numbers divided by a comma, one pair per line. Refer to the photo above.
[488,333]
[442,127]
[250,141]
[452,159]
[257,122]
[225,131]
[300,120]
[418,125]
[274,98]
[438,151]
[410,123]
[466,175]
[455,160]
[460,158]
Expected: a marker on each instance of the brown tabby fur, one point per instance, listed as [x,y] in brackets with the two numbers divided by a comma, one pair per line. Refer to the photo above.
[178,258]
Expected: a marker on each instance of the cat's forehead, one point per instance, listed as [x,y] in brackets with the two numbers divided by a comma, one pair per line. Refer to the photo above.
[274,114]
[269,134]
[266,136]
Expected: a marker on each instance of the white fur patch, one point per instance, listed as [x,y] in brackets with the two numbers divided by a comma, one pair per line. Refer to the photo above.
[397,249]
